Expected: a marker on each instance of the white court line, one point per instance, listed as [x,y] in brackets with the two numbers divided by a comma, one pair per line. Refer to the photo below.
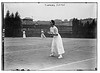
[67,64]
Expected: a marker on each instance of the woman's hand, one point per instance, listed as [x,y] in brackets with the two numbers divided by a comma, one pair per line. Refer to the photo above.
[49,32]
[55,34]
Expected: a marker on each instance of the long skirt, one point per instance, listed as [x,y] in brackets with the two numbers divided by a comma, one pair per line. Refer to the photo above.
[43,36]
[57,45]
[24,36]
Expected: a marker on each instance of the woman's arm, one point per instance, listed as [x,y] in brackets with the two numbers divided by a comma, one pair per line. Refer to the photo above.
[49,32]
[54,34]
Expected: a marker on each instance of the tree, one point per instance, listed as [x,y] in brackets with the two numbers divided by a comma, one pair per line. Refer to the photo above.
[17,21]
[75,24]
[93,28]
[7,15]
[17,24]
[80,29]
[7,24]
[12,25]
[86,29]
[65,20]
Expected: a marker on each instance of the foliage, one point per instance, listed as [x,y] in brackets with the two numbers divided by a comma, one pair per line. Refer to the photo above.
[85,28]
[12,24]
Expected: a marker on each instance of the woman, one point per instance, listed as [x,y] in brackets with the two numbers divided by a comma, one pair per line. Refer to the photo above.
[57,45]
[42,34]
[24,35]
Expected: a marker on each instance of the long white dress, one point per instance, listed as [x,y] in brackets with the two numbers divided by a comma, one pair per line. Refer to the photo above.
[42,34]
[24,35]
[57,44]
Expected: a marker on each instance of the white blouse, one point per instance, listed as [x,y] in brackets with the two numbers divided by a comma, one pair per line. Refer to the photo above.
[54,30]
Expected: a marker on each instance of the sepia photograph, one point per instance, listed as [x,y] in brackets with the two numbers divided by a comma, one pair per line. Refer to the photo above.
[49,36]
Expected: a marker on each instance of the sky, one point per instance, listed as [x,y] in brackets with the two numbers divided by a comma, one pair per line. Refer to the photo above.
[49,11]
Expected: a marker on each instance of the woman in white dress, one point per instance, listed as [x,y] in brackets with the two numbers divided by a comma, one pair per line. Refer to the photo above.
[57,44]
[42,34]
[24,35]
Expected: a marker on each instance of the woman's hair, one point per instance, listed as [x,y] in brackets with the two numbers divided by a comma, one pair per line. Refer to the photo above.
[53,22]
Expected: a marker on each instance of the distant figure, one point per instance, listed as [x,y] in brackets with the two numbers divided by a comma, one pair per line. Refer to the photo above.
[24,35]
[57,44]
[42,34]
[3,34]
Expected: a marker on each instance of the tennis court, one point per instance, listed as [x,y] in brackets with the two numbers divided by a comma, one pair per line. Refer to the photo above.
[33,53]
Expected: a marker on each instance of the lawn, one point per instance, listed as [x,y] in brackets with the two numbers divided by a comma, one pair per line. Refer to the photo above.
[33,53]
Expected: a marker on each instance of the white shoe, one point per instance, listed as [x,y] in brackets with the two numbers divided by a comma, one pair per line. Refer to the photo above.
[51,55]
[60,57]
